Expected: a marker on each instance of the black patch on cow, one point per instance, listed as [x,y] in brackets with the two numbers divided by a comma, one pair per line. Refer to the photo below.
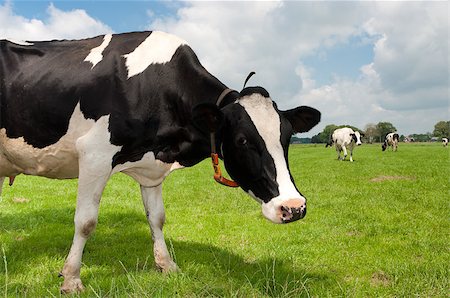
[160,100]
[252,90]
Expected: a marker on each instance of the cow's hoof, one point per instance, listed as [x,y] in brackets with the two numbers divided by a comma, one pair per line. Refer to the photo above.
[169,267]
[72,285]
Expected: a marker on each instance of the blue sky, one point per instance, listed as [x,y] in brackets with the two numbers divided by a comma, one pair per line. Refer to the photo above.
[121,16]
[357,62]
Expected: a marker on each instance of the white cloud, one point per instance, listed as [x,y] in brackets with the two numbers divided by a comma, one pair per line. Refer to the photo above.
[59,25]
[406,83]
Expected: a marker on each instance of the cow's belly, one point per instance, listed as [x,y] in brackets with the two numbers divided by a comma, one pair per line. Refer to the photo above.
[59,160]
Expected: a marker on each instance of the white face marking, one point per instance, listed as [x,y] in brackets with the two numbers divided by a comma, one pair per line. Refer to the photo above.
[267,122]
[358,138]
[95,56]
[159,47]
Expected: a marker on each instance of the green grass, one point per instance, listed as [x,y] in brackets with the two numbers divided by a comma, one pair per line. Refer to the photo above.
[387,237]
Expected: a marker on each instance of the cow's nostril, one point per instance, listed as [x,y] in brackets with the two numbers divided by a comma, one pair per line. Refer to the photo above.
[290,214]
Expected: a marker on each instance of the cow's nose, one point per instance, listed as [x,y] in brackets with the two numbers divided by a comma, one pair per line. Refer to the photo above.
[292,210]
[359,144]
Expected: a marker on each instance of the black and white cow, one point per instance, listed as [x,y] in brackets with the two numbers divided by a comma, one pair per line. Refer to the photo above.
[444,142]
[142,104]
[344,138]
[391,139]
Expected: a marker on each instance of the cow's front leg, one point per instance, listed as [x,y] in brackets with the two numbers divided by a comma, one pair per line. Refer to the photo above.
[345,152]
[86,214]
[351,154]
[154,209]
[95,155]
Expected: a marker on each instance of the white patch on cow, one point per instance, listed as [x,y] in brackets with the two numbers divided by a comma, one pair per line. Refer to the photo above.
[148,172]
[96,54]
[158,47]
[20,42]
[59,160]
[176,166]
[267,122]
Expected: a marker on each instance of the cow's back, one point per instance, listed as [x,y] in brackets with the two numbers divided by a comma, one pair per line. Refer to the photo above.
[341,136]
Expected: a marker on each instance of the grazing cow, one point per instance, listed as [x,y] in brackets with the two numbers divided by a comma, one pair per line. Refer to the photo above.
[345,137]
[444,142]
[391,140]
[142,104]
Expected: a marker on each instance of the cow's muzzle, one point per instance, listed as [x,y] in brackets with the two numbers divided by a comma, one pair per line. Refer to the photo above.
[292,210]
[285,211]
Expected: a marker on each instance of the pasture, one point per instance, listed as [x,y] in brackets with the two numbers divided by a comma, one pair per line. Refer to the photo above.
[377,227]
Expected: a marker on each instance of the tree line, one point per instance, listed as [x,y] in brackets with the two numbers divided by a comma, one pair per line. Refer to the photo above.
[377,133]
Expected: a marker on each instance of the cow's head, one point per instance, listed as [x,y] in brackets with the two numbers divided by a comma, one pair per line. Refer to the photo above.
[356,136]
[254,145]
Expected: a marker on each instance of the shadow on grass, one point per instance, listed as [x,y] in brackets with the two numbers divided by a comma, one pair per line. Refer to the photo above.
[122,245]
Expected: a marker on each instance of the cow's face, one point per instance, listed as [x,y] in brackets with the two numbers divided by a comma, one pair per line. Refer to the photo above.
[255,140]
[356,137]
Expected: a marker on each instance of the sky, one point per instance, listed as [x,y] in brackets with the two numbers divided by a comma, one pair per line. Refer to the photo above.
[358,62]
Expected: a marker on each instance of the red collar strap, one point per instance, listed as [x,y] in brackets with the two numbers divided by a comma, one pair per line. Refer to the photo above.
[218,173]
[214,156]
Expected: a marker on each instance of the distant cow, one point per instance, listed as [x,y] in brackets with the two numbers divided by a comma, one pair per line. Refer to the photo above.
[344,138]
[444,142]
[391,140]
[142,104]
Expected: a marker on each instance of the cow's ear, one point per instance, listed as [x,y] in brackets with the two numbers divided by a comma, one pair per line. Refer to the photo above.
[302,118]
[207,117]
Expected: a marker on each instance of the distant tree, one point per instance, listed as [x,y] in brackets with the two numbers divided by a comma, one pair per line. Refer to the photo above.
[422,137]
[384,128]
[442,129]
[326,133]
[371,132]
[316,139]
[297,140]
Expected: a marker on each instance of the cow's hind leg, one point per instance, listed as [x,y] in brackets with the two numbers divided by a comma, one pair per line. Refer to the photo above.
[338,151]
[154,209]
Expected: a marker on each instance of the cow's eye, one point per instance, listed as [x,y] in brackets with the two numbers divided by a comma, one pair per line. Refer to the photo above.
[241,140]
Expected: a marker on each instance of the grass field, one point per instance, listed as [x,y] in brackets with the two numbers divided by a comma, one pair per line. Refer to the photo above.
[377,227]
